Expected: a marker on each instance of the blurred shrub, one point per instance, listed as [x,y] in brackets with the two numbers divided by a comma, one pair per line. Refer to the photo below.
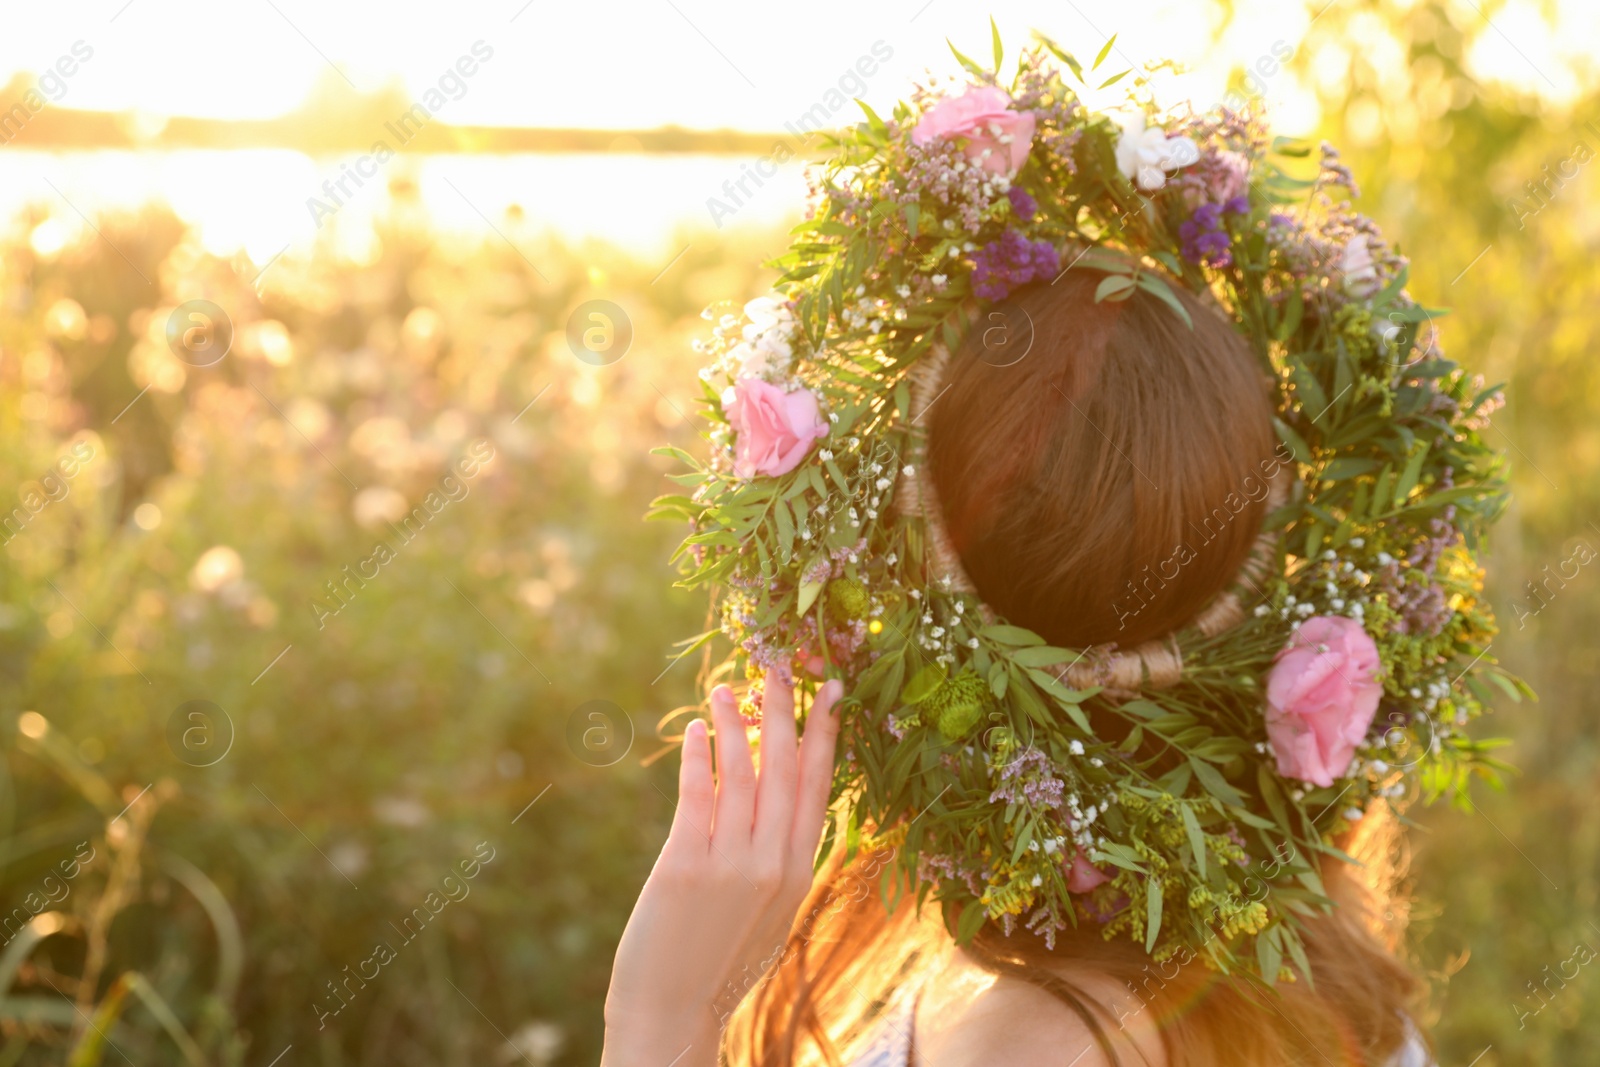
[391,712]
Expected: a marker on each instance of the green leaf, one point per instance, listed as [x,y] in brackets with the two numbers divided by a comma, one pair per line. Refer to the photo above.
[1272,795]
[873,121]
[1212,782]
[1158,288]
[1044,656]
[1010,635]
[808,595]
[1297,445]
[971,920]
[1297,952]
[1291,315]
[972,68]
[902,398]
[1307,390]
[1197,839]
[1114,287]
[999,50]
[1152,912]
[924,684]
[1411,475]
[1105,51]
[999,680]
[1114,79]
[1269,955]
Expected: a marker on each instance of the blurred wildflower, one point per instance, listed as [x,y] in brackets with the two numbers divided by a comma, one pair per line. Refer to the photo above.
[377,505]
[217,567]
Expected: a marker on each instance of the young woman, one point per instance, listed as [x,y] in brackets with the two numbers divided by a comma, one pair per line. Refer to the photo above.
[1040,466]
[1184,432]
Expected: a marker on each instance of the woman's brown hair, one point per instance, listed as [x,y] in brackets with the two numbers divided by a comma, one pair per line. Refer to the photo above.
[1089,485]
[1093,463]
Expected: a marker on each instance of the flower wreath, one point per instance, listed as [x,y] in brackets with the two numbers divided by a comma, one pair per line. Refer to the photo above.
[1337,674]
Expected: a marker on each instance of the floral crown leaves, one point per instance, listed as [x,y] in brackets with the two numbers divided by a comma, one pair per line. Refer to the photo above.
[1341,677]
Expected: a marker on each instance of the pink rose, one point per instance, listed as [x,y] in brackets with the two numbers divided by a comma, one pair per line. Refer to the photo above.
[1082,876]
[1321,697]
[998,138]
[773,429]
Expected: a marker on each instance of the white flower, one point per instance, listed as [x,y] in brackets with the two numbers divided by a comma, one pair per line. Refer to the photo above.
[1148,155]
[1360,275]
[765,312]
[1075,747]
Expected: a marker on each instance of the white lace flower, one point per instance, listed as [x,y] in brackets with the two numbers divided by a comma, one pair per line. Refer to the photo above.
[1148,155]
[1360,273]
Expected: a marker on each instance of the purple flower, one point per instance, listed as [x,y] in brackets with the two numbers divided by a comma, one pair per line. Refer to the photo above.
[1204,239]
[1239,205]
[1021,203]
[1207,216]
[1001,267]
[1029,779]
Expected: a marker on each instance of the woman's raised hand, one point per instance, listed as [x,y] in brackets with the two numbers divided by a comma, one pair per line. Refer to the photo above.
[716,911]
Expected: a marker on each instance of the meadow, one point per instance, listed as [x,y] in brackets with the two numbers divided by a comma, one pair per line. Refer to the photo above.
[269,753]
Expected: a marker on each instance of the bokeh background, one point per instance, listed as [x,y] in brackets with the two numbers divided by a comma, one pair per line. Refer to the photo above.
[188,882]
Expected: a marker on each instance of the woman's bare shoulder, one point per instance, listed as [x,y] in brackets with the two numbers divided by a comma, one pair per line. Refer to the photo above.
[968,1016]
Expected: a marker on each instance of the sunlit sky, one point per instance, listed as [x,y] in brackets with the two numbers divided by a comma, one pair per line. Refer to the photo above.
[697,63]
[704,64]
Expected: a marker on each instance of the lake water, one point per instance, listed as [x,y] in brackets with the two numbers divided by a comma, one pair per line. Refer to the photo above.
[257,199]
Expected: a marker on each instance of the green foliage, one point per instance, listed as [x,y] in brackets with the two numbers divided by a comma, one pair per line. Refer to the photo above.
[394,733]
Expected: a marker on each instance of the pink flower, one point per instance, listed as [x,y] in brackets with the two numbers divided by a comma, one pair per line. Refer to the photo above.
[998,138]
[774,429]
[1083,876]
[1228,176]
[1321,697]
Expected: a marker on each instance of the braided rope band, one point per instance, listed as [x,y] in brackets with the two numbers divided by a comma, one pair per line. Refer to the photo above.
[1123,674]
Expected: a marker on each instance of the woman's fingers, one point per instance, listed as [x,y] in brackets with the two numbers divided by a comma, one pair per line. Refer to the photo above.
[775,789]
[816,762]
[691,823]
[736,774]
